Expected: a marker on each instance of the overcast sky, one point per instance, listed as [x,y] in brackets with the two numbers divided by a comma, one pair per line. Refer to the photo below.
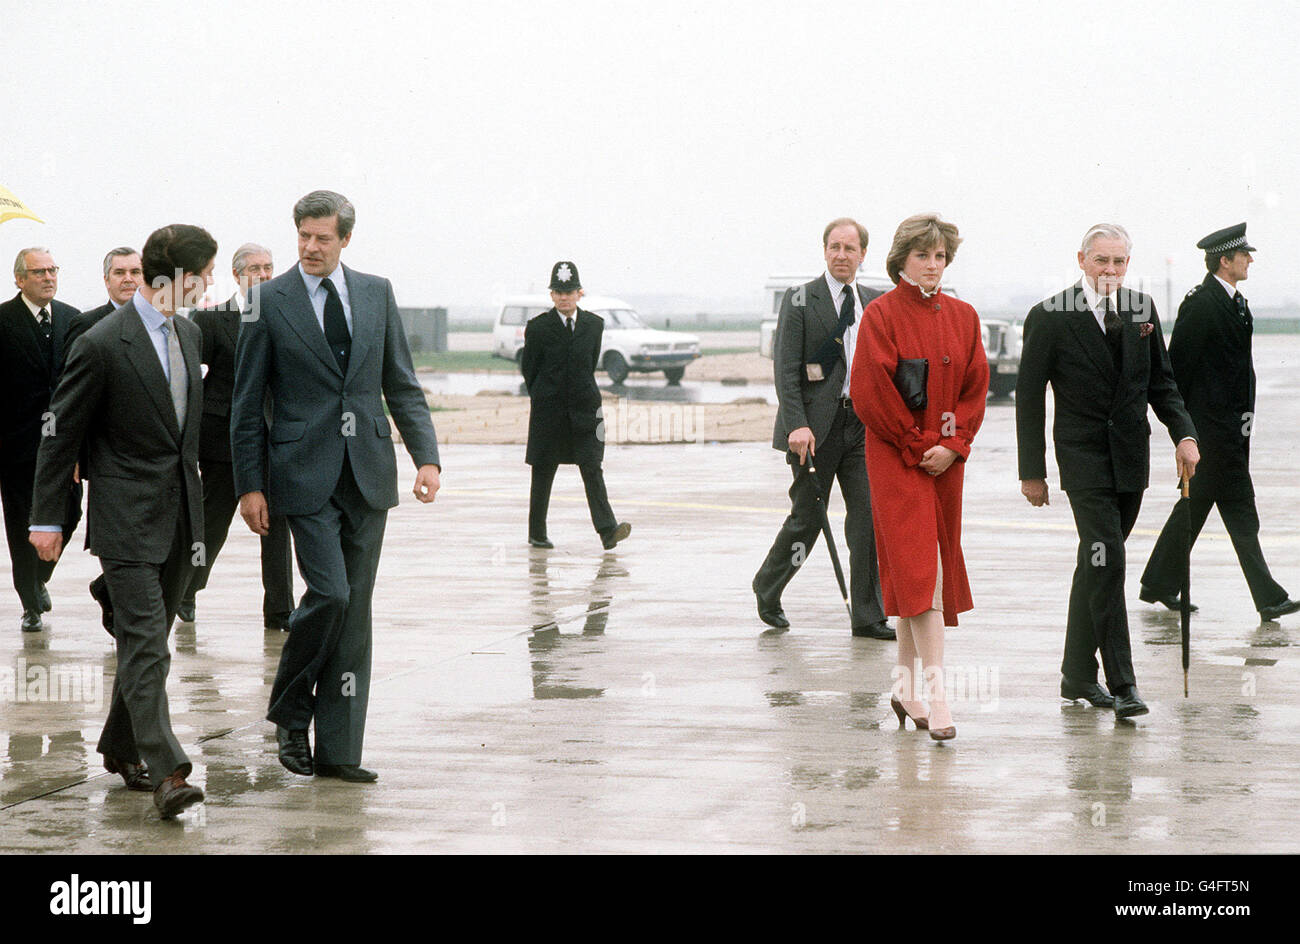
[678,148]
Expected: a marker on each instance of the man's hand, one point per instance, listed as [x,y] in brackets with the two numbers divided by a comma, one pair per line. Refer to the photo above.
[76,473]
[252,508]
[427,483]
[48,544]
[1186,457]
[802,443]
[1036,491]
[937,459]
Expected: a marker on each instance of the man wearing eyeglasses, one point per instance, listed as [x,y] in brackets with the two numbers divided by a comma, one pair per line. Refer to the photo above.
[33,346]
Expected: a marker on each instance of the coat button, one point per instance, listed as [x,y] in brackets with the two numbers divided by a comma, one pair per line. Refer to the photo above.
[936,306]
[945,358]
[1110,422]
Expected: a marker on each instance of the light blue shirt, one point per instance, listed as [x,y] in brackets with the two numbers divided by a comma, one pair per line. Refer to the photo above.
[317,294]
[153,324]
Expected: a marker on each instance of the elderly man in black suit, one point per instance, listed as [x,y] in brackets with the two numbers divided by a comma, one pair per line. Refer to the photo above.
[33,346]
[327,343]
[1211,358]
[1101,348]
[250,266]
[132,395]
[561,351]
[122,276]
[812,355]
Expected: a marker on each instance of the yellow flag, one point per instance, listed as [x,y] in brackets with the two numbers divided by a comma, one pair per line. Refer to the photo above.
[11,208]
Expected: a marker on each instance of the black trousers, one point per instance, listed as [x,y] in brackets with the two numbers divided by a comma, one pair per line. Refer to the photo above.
[1098,618]
[219,506]
[29,571]
[841,456]
[145,597]
[593,482]
[1165,569]
[324,673]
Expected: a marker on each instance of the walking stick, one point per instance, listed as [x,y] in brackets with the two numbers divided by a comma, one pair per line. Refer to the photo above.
[830,539]
[1185,603]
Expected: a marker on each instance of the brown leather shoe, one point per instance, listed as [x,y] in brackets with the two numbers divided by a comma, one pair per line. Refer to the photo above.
[174,795]
[135,775]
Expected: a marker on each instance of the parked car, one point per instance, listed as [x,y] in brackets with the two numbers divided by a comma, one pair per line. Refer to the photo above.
[628,345]
[1002,339]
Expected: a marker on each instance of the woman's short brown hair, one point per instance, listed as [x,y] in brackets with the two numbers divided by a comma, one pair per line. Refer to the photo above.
[920,232]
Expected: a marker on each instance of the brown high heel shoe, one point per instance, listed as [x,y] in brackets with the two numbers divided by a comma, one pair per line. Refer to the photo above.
[922,724]
[944,734]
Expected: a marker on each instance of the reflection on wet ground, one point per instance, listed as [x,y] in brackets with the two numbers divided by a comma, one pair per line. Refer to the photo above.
[651,388]
[577,700]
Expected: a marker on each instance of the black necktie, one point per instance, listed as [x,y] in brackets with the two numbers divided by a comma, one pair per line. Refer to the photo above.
[47,333]
[336,326]
[1241,306]
[568,323]
[1113,334]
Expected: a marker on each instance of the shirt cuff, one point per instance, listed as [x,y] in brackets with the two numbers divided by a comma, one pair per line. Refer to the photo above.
[52,528]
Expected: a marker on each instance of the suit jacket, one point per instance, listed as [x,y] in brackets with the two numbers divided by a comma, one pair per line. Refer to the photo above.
[26,381]
[807,320]
[1211,357]
[87,320]
[114,396]
[220,328]
[1101,429]
[559,367]
[318,413]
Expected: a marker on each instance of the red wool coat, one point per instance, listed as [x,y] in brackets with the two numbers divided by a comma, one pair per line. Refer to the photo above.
[914,512]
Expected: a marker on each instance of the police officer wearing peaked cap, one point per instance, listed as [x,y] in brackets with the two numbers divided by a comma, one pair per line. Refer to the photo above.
[1210,351]
[561,351]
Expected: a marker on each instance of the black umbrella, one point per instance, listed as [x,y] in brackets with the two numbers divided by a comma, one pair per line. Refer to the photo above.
[830,538]
[1185,600]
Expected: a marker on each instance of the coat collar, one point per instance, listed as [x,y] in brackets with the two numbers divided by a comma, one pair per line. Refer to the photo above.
[143,357]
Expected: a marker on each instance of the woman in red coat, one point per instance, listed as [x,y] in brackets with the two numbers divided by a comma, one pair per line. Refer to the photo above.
[921,343]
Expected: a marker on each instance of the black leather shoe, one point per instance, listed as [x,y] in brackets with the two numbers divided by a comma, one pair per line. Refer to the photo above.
[1170,601]
[136,776]
[174,795]
[43,595]
[349,772]
[1270,613]
[1128,704]
[881,630]
[1090,692]
[32,621]
[540,542]
[280,623]
[772,615]
[99,590]
[620,533]
[295,751]
[185,611]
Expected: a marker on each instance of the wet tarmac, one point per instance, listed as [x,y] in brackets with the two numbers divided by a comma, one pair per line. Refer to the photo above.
[581,701]
[648,387]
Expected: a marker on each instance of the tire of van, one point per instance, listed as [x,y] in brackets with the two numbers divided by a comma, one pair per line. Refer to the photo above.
[674,375]
[616,367]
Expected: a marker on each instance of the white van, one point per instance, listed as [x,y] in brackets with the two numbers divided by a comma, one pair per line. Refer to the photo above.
[628,345]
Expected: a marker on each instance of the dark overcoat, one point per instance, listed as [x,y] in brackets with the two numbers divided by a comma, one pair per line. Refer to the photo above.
[565,424]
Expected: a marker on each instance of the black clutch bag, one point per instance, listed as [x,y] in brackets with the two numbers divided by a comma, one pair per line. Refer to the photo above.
[910,379]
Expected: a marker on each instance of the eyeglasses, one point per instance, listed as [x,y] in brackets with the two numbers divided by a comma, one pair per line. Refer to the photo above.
[48,270]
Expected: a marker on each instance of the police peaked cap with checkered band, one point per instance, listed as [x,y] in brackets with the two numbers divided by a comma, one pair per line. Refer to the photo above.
[1226,240]
[564,277]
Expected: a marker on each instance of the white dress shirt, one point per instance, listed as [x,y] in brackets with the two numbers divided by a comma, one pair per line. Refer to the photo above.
[838,289]
[1096,303]
[317,294]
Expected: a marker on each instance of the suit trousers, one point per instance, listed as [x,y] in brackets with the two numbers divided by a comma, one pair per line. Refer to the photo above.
[1098,618]
[219,506]
[1168,563]
[324,673]
[145,597]
[29,571]
[841,456]
[593,482]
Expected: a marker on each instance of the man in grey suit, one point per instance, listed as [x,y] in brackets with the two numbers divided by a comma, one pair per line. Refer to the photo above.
[132,392]
[813,350]
[327,344]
